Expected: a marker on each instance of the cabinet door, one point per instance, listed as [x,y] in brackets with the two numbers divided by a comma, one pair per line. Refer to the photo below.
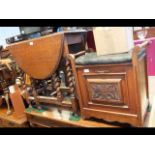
[105,91]
[108,90]
[109,93]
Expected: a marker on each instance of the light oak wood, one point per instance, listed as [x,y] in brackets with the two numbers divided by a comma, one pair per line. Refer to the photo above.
[12,120]
[47,119]
[17,101]
[39,58]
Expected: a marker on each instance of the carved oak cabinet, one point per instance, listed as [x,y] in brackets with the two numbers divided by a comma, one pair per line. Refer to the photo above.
[113,88]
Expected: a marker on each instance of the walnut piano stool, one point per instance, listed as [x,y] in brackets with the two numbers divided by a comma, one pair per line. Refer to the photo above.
[112,87]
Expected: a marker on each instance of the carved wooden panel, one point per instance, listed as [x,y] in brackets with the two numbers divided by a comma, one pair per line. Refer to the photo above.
[105,90]
[108,91]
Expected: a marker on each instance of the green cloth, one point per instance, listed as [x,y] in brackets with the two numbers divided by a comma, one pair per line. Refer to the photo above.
[34,109]
[93,59]
[74,117]
[149,108]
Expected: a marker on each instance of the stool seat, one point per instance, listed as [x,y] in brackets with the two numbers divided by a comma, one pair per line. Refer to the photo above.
[93,59]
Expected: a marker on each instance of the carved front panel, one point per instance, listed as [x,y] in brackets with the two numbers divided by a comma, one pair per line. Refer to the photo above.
[105,91]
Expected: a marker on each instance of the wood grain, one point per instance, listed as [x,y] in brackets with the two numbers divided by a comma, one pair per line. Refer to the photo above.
[39,58]
[133,87]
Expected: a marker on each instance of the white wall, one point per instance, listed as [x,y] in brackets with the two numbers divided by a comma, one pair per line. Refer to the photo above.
[139,28]
[6,32]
